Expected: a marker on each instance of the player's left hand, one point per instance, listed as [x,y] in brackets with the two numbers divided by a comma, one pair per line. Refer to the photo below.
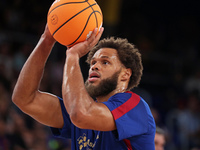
[84,47]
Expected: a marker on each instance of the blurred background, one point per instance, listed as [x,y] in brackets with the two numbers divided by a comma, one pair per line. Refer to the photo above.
[167,34]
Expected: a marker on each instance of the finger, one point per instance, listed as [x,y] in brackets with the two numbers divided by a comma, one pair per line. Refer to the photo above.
[92,36]
[97,37]
[100,33]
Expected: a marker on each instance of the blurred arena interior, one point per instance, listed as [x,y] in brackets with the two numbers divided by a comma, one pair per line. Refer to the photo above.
[166,32]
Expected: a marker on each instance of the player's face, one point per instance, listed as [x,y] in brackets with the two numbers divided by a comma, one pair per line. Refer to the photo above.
[105,68]
[104,87]
[159,141]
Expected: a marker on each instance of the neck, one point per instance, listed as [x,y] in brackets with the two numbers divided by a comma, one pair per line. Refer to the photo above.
[105,98]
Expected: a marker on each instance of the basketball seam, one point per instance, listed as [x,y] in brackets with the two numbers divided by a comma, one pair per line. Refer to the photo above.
[66,4]
[72,18]
[84,27]
[94,14]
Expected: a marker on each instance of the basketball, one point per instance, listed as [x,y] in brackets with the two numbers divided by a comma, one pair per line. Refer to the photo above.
[72,21]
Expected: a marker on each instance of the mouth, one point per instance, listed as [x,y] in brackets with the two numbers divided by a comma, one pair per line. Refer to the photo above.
[93,76]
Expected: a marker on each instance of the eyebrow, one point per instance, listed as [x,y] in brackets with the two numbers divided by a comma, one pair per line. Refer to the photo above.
[101,57]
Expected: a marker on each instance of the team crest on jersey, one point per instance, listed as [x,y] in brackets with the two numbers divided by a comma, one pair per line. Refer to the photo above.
[86,144]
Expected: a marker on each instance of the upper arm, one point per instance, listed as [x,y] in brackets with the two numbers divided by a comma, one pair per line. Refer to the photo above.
[45,108]
[97,117]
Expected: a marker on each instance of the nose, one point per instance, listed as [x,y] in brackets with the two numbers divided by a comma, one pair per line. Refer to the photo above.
[95,66]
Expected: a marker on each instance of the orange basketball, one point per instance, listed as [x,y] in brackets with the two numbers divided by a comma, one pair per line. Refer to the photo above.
[72,21]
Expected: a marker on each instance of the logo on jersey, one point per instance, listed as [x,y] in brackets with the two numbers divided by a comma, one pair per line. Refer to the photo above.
[85,143]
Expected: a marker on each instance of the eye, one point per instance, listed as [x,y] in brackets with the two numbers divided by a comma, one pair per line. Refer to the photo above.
[105,62]
[92,62]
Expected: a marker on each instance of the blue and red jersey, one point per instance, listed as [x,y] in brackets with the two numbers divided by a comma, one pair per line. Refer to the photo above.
[134,121]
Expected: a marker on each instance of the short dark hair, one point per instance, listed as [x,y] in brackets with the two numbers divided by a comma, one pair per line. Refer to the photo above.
[160,130]
[128,54]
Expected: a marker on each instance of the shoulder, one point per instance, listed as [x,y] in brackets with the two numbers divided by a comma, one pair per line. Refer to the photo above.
[127,99]
[130,110]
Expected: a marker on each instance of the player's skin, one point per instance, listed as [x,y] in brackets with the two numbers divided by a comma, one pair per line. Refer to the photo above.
[84,112]
[159,141]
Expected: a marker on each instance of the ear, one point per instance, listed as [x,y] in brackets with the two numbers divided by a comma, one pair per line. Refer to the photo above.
[126,74]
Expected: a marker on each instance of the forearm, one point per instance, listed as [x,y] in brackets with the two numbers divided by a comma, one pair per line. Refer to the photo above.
[32,71]
[75,96]
[84,112]
[79,105]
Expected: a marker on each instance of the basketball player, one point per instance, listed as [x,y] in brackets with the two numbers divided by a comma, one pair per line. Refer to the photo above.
[117,120]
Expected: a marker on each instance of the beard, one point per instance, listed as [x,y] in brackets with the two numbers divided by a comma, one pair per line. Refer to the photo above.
[105,86]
